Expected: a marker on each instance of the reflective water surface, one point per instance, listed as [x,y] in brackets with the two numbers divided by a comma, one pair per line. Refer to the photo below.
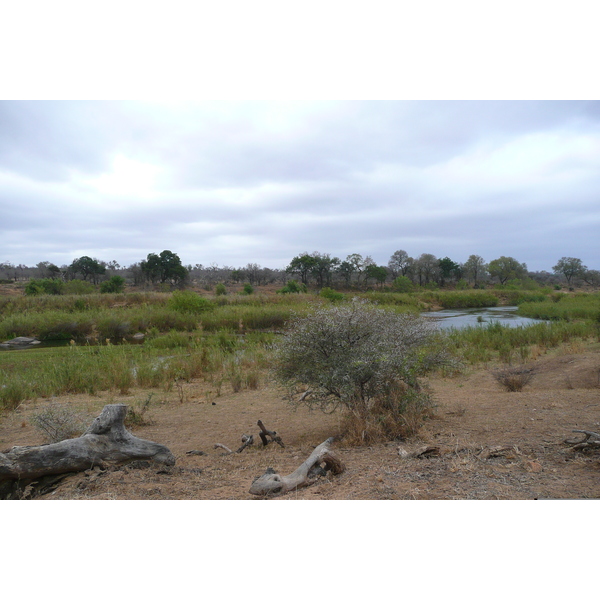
[471,317]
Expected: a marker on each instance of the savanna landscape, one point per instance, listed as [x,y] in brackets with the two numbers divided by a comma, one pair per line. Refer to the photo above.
[495,419]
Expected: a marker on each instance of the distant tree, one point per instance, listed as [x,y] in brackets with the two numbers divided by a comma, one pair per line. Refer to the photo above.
[400,263]
[379,274]
[47,270]
[164,268]
[88,268]
[252,271]
[475,269]
[427,268]
[345,269]
[237,275]
[302,265]
[323,268]
[136,274]
[356,264]
[505,268]
[569,267]
[591,277]
[448,270]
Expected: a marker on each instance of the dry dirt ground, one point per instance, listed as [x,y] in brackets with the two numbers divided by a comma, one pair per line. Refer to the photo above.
[493,444]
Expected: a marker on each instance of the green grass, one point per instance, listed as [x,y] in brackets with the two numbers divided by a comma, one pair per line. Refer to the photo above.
[501,342]
[564,307]
[160,362]
[231,340]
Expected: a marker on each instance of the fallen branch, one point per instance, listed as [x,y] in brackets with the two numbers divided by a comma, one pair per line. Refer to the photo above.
[422,452]
[264,432]
[586,443]
[247,440]
[316,465]
[105,441]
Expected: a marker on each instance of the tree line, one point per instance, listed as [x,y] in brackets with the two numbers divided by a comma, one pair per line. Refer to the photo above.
[402,273]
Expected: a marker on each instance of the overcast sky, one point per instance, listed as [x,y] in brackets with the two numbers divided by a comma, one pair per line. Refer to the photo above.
[238,182]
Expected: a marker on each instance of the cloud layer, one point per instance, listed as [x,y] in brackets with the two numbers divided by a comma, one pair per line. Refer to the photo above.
[239,182]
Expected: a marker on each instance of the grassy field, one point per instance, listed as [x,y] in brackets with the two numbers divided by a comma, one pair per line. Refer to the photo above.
[228,338]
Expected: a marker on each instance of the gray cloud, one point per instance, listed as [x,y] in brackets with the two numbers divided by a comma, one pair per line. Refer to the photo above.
[234,183]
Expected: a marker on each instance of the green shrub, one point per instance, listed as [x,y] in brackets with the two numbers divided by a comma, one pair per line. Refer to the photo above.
[173,339]
[332,295]
[220,290]
[35,287]
[112,328]
[402,284]
[292,287]
[79,287]
[115,285]
[186,301]
[248,289]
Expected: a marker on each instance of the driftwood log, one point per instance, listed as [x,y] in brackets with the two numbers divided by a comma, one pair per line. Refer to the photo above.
[105,441]
[316,465]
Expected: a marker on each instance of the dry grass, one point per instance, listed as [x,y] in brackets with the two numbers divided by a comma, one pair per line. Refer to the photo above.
[474,417]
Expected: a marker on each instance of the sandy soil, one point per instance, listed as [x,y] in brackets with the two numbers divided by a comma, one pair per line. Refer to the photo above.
[492,444]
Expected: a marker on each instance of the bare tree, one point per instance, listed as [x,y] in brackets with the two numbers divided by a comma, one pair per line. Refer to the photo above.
[475,269]
[400,263]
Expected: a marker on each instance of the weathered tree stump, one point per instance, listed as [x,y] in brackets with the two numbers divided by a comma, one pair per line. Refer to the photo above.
[264,432]
[316,465]
[105,441]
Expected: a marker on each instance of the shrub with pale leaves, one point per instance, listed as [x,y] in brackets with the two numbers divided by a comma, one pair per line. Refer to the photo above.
[360,358]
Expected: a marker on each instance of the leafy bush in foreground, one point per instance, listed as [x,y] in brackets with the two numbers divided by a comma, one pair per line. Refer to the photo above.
[362,359]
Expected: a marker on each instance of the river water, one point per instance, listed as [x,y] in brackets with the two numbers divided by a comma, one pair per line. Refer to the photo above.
[471,317]
[445,319]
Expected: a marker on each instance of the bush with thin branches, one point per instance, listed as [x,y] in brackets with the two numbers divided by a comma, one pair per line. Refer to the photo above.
[362,359]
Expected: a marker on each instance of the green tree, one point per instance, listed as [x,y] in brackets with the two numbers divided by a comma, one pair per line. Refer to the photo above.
[379,274]
[164,268]
[505,268]
[88,268]
[323,267]
[448,270]
[345,269]
[569,267]
[302,265]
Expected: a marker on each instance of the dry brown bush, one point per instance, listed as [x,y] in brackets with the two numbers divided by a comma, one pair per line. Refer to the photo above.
[514,379]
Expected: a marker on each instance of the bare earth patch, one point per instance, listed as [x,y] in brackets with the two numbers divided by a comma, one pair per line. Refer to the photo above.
[485,443]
